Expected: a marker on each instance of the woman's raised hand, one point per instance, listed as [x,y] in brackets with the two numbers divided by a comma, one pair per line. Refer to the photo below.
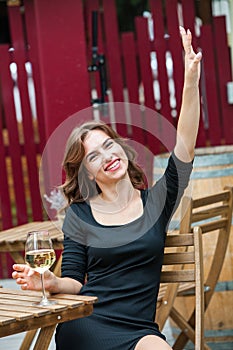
[192,59]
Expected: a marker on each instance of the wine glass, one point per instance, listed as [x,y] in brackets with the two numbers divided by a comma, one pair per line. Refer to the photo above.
[40,256]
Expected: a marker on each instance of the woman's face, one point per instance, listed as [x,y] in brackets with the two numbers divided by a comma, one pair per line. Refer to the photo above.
[105,159]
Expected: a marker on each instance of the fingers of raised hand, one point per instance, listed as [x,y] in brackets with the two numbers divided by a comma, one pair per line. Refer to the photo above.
[186,40]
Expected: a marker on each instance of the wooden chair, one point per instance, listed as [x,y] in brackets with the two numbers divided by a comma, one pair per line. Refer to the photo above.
[183,262]
[213,214]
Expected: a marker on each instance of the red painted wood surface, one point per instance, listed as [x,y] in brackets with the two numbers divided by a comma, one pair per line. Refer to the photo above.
[132,82]
[160,46]
[175,47]
[212,103]
[188,11]
[224,72]
[144,48]
[5,203]
[33,54]
[14,148]
[19,57]
[62,59]
[113,57]
[63,69]
[129,53]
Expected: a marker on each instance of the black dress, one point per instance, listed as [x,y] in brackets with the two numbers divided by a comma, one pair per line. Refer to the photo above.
[123,266]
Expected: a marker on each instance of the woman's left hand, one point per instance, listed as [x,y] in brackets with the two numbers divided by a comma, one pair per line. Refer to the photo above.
[192,59]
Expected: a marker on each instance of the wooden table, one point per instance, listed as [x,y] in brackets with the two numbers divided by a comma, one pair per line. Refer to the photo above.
[13,240]
[18,314]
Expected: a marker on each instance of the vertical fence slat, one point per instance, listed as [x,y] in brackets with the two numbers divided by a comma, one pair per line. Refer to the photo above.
[211,102]
[33,58]
[113,54]
[63,69]
[224,75]
[17,37]
[130,66]
[188,11]
[144,49]
[113,49]
[5,204]
[62,59]
[132,83]
[160,47]
[14,145]
[175,47]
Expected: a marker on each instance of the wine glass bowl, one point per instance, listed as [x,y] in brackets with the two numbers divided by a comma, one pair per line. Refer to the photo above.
[40,256]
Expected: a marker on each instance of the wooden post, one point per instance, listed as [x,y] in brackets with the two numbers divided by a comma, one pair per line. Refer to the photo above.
[62,59]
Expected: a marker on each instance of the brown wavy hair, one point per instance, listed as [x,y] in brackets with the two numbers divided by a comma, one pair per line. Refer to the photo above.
[78,187]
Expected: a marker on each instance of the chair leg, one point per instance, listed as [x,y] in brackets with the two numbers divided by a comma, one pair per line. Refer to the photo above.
[187,330]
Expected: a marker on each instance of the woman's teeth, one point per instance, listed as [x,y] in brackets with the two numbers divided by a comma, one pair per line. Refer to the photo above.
[113,165]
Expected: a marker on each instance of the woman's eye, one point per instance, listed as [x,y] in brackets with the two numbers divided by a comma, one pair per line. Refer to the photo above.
[92,157]
[109,144]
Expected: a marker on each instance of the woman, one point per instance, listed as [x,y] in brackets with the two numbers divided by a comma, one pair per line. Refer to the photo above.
[115,229]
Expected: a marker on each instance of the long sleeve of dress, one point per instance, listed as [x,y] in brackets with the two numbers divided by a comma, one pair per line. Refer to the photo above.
[171,186]
[74,257]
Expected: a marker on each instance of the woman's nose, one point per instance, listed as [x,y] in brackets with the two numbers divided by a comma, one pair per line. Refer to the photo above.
[106,156]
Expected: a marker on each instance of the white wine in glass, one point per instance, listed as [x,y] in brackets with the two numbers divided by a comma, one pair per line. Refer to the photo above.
[40,256]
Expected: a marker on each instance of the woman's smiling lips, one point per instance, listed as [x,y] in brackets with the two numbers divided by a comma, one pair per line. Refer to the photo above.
[113,165]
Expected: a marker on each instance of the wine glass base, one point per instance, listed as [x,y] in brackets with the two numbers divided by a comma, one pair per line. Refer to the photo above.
[45,302]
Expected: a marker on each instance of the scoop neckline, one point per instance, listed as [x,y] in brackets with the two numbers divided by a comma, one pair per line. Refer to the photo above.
[143,199]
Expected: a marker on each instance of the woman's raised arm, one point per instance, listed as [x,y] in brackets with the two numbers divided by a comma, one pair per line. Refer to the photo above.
[188,122]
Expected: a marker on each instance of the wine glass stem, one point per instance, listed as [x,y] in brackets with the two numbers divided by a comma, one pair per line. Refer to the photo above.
[43,289]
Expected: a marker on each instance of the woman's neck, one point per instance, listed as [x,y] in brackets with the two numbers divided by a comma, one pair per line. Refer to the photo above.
[115,197]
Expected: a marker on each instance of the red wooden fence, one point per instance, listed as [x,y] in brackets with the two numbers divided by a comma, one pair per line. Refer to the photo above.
[56,38]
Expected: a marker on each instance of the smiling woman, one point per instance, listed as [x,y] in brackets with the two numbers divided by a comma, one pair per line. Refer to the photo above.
[115,229]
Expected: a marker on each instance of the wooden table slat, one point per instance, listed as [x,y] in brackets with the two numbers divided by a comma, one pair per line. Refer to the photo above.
[69,303]
[19,234]
[86,299]
[4,320]
[18,315]
[6,299]
[25,298]
[36,311]
[20,292]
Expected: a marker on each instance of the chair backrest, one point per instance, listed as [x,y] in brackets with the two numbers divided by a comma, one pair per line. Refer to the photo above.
[212,213]
[183,262]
